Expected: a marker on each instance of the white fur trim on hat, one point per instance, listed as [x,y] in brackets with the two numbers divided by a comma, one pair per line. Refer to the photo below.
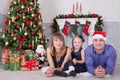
[96,36]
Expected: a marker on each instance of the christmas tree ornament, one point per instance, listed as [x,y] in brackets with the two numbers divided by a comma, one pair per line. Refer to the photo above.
[3,36]
[17,17]
[25,34]
[14,2]
[29,46]
[23,17]
[25,11]
[40,35]
[18,26]
[14,38]
[32,15]
[10,6]
[32,34]
[65,28]
[34,26]
[86,28]
[8,13]
[12,33]
[6,43]
[17,10]
[22,7]
[31,3]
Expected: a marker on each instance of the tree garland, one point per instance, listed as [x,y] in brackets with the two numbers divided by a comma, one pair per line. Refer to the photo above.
[98,26]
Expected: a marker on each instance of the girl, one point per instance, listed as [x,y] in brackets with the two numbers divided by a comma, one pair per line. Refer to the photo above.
[59,56]
[78,55]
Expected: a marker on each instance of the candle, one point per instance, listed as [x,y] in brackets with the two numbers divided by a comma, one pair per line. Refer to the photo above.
[73,9]
[76,5]
[80,8]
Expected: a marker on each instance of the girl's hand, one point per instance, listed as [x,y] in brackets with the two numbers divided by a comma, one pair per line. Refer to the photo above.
[74,61]
[49,72]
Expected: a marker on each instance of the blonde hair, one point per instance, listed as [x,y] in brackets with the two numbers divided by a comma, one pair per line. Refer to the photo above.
[63,49]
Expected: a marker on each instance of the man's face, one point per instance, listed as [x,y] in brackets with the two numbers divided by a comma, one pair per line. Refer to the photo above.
[99,43]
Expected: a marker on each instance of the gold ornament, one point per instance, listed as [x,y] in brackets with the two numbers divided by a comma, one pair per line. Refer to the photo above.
[32,15]
[23,17]
[34,26]
[40,22]
[22,7]
[14,2]
[31,3]
[8,13]
[13,19]
[14,38]
[42,41]
[6,43]
[25,33]
[3,36]
[40,35]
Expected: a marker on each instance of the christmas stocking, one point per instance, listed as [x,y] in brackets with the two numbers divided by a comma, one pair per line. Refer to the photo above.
[86,28]
[75,28]
[65,28]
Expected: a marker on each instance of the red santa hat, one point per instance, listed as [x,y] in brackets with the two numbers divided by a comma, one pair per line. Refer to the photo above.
[99,34]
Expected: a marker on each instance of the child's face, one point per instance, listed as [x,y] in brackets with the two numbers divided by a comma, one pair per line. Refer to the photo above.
[77,43]
[58,43]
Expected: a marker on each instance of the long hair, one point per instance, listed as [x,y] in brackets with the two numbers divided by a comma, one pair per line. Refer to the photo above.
[63,48]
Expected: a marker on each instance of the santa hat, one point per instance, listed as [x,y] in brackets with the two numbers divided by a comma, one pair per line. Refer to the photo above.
[99,34]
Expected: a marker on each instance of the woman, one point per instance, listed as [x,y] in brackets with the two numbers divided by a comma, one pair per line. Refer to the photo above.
[59,58]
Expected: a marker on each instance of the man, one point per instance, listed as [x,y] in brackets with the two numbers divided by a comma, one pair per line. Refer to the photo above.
[100,57]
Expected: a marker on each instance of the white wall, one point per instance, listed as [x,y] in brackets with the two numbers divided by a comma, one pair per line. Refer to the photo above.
[109,9]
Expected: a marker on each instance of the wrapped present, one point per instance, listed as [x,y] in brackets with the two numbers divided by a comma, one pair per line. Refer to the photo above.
[6,56]
[6,66]
[29,54]
[23,58]
[29,65]
[15,62]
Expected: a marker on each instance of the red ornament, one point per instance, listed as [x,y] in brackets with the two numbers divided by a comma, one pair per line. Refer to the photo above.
[27,5]
[25,11]
[18,26]
[17,10]
[20,46]
[17,17]
[10,6]
[6,23]
[32,33]
[36,19]
[37,12]
[29,46]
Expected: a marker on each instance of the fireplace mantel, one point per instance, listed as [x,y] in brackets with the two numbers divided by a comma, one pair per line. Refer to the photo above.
[61,22]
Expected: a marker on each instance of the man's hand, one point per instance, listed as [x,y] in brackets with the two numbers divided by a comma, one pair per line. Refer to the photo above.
[99,71]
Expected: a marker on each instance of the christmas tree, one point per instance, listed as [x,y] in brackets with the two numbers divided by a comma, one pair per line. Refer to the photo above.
[23,26]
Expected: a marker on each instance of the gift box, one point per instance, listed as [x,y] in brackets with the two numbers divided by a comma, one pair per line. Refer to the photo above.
[29,54]
[6,66]
[15,62]
[6,56]
[29,65]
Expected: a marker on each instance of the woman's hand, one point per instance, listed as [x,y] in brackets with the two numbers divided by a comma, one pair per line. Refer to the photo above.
[49,72]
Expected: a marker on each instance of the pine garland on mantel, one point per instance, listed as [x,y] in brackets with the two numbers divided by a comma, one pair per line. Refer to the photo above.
[98,27]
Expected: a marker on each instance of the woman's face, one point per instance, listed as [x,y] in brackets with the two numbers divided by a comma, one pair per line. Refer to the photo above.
[58,43]
[98,43]
[77,43]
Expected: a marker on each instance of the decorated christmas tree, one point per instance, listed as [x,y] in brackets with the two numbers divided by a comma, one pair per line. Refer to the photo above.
[23,26]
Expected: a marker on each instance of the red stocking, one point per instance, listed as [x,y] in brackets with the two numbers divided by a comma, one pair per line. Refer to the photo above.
[86,28]
[65,28]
